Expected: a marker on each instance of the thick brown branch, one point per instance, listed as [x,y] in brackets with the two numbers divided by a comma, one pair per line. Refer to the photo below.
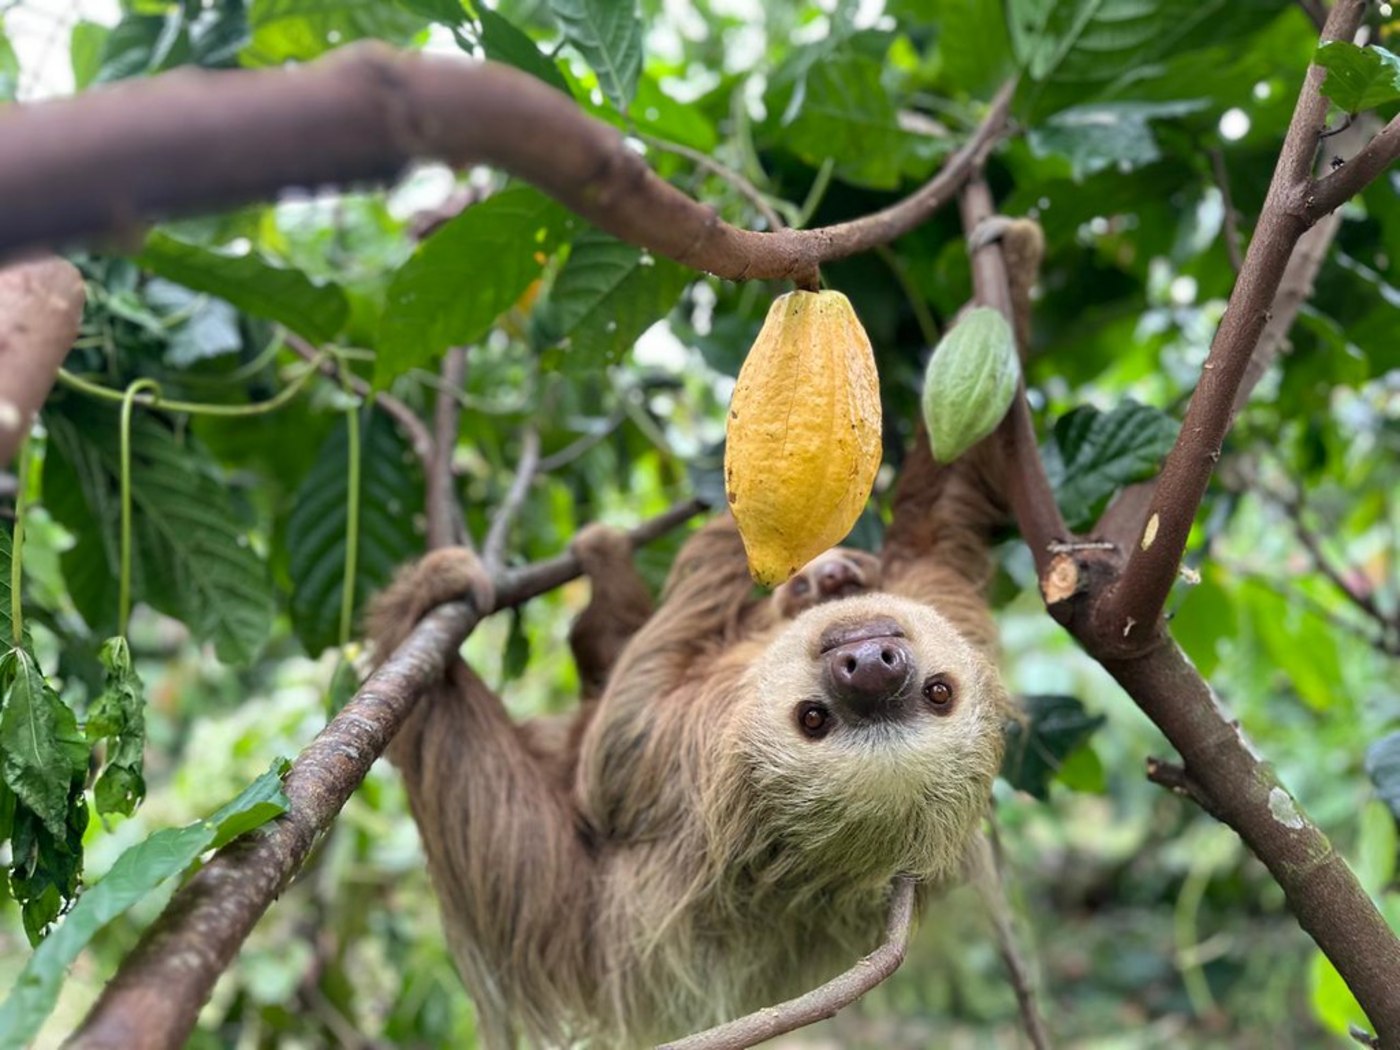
[1222,771]
[154,999]
[825,1001]
[187,141]
[41,306]
[1031,497]
[1129,610]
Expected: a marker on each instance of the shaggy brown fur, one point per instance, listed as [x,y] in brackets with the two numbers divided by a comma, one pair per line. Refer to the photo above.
[680,850]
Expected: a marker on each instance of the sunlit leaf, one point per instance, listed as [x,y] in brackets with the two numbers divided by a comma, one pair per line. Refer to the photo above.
[465,275]
[41,749]
[299,30]
[135,874]
[1359,78]
[608,34]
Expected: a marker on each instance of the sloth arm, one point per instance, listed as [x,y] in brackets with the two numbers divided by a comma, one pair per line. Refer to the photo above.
[648,723]
[619,605]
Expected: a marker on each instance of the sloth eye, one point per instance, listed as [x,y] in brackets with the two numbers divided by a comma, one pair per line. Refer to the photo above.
[814,720]
[938,691]
[799,586]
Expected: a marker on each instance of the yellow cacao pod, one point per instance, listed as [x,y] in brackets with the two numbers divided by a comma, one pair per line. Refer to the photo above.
[803,437]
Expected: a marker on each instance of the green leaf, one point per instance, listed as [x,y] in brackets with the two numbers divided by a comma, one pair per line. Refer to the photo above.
[135,874]
[1205,617]
[1376,847]
[190,558]
[299,30]
[391,492]
[970,382]
[1094,453]
[464,276]
[607,295]
[1332,1001]
[118,716]
[9,68]
[344,681]
[41,750]
[1083,771]
[85,52]
[1359,78]
[7,631]
[1383,767]
[517,652]
[836,106]
[249,282]
[1054,728]
[1301,643]
[608,34]
[142,43]
[1106,134]
[503,42]
[46,867]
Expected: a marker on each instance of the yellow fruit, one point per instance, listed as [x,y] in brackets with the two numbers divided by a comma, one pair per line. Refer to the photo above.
[803,439]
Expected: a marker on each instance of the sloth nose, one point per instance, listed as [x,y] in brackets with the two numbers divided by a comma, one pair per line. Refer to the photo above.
[869,675]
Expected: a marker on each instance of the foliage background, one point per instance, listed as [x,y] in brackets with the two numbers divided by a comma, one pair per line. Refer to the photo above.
[1149,923]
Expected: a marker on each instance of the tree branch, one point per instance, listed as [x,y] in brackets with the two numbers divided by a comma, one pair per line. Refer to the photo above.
[407,419]
[41,307]
[1029,490]
[445,525]
[97,165]
[1227,202]
[824,1001]
[1221,770]
[154,1000]
[1332,191]
[1130,607]
[493,549]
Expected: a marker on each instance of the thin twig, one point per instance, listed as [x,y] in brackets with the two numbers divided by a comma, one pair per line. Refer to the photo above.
[1227,200]
[445,525]
[493,550]
[747,189]
[155,997]
[824,1001]
[582,445]
[991,885]
[407,419]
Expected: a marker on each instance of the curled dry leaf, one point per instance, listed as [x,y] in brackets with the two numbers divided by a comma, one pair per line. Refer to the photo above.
[803,441]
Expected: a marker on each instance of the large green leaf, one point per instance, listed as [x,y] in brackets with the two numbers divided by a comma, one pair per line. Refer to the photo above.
[607,294]
[299,30]
[464,276]
[1300,642]
[391,491]
[1359,78]
[41,750]
[249,282]
[1094,453]
[608,34]
[837,107]
[190,558]
[503,42]
[1106,134]
[1053,729]
[135,874]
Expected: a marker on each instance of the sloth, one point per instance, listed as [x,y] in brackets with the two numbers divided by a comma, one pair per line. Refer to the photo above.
[716,826]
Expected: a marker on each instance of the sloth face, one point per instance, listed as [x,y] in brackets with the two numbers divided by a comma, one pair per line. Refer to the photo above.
[841,572]
[870,725]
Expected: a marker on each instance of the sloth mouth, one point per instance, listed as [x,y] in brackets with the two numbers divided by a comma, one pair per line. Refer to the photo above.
[836,636]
